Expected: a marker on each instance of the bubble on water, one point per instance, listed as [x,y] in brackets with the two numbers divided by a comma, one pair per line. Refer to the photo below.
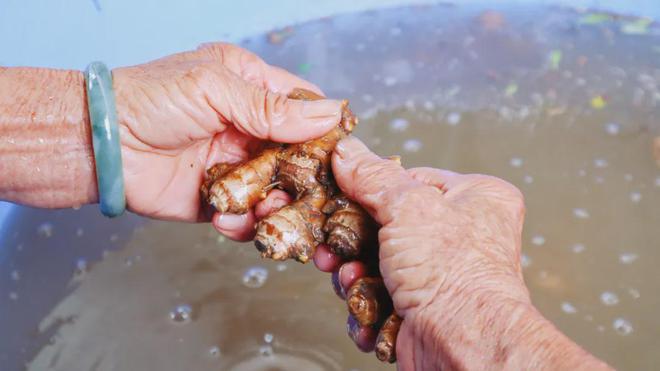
[612,128]
[45,230]
[516,162]
[81,267]
[220,239]
[528,179]
[13,296]
[627,257]
[600,328]
[538,240]
[428,105]
[214,351]
[268,338]
[628,177]
[634,293]
[580,213]
[399,125]
[19,247]
[76,207]
[622,326]
[454,118]
[569,308]
[281,267]
[182,313]
[657,181]
[600,163]
[390,81]
[114,237]
[582,172]
[15,276]
[609,298]
[412,145]
[578,248]
[525,260]
[128,262]
[635,196]
[79,232]
[255,277]
[266,350]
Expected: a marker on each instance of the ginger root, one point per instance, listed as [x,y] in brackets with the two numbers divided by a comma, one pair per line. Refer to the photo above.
[386,340]
[318,214]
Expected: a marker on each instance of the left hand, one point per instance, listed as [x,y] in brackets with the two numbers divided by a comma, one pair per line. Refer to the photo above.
[181,114]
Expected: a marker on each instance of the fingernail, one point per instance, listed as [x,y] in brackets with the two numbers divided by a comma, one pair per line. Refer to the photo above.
[231,222]
[353,328]
[337,286]
[318,109]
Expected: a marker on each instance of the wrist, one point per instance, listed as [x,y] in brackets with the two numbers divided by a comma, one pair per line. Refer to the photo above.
[47,154]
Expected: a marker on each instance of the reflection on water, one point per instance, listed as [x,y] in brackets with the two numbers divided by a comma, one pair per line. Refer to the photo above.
[562,104]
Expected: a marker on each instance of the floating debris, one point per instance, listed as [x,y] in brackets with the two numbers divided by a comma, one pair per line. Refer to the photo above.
[511,89]
[569,308]
[538,240]
[578,248]
[598,102]
[639,26]
[399,125]
[214,351]
[525,260]
[609,298]
[454,118]
[581,213]
[279,36]
[622,326]
[627,257]
[182,313]
[595,18]
[255,277]
[555,59]
[412,145]
[516,162]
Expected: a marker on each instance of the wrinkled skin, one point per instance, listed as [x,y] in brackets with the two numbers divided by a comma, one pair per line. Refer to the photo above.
[180,114]
[425,264]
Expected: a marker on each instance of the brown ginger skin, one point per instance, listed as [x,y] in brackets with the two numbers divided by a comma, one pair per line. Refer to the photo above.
[350,229]
[386,340]
[368,301]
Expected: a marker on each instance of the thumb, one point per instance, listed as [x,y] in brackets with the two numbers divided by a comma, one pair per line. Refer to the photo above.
[266,115]
[372,181]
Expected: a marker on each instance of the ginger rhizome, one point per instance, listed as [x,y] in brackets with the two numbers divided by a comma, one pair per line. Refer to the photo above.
[318,214]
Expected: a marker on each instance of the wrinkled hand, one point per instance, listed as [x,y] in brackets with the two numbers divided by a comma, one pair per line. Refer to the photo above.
[449,248]
[180,114]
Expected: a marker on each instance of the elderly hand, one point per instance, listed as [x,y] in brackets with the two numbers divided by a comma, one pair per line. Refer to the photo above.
[450,258]
[180,114]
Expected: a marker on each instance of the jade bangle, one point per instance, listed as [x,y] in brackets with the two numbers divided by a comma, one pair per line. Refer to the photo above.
[105,139]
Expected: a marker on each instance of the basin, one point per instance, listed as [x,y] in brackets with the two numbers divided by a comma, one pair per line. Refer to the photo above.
[562,101]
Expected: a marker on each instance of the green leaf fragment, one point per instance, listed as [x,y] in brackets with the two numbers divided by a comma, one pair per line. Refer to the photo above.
[511,89]
[304,68]
[639,26]
[595,18]
[555,59]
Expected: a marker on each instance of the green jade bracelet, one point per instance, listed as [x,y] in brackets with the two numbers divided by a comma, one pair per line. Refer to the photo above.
[105,139]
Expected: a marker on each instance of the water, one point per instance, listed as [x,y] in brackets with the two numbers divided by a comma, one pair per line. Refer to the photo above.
[182,313]
[576,139]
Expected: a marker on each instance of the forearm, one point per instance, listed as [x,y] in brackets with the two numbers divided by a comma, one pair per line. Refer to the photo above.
[499,333]
[46,157]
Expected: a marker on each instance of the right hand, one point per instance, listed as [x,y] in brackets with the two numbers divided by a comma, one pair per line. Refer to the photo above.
[449,250]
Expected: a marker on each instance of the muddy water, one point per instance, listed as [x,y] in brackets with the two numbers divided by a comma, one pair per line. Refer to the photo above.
[563,104]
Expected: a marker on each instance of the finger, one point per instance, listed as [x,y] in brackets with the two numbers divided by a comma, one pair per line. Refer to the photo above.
[363,336]
[368,179]
[253,69]
[229,146]
[235,227]
[266,115]
[349,273]
[325,260]
[337,286]
[275,200]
